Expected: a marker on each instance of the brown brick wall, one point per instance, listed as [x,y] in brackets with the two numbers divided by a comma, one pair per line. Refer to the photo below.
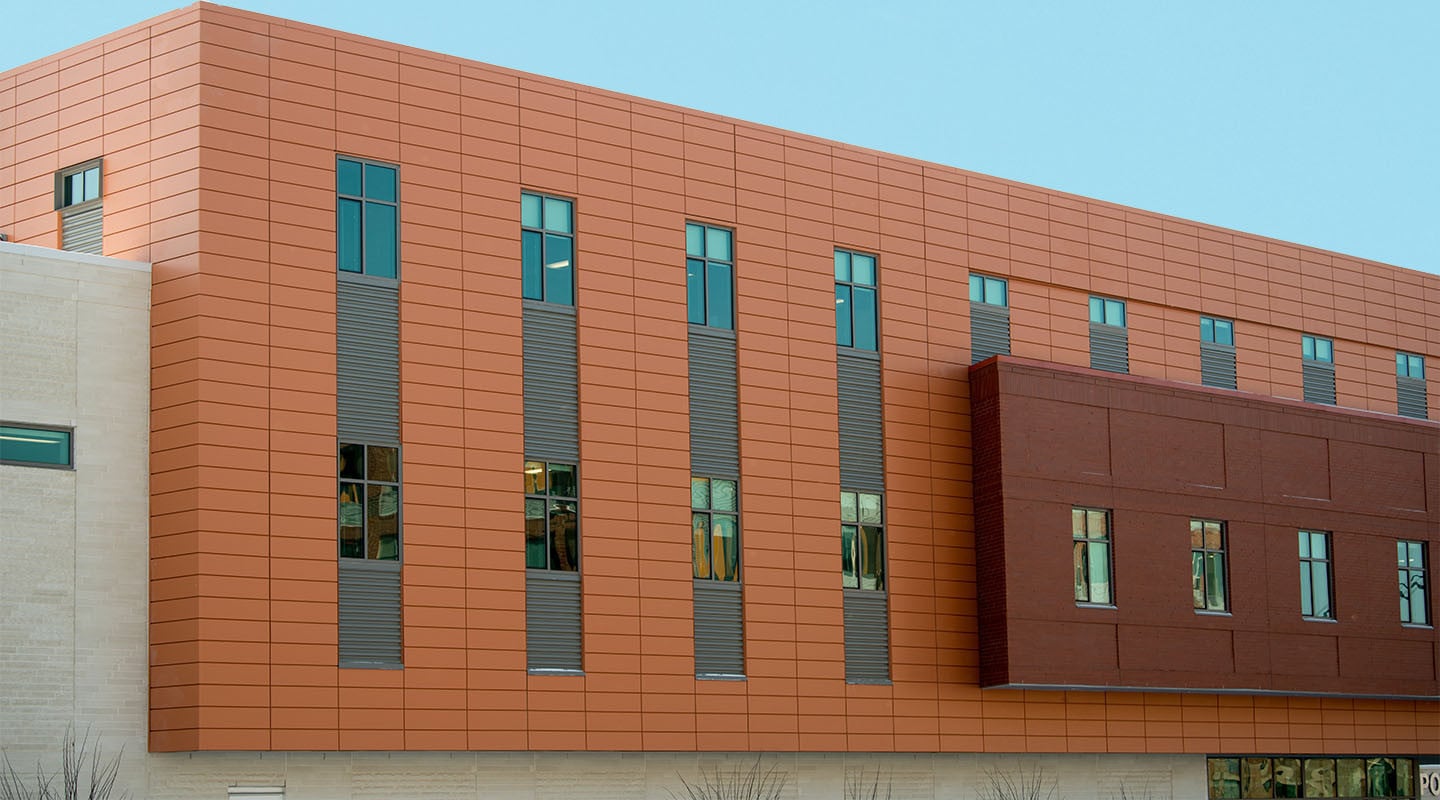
[1158,455]
[254,109]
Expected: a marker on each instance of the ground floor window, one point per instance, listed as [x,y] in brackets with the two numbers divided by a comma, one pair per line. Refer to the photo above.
[1344,778]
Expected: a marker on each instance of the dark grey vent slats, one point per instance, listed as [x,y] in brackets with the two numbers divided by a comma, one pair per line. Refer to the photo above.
[1217,365]
[1319,382]
[714,431]
[867,636]
[862,441]
[80,228]
[719,629]
[552,428]
[989,331]
[1109,348]
[552,620]
[369,614]
[368,360]
[1411,397]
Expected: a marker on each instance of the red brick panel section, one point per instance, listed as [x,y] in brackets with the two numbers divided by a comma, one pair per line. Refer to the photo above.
[1159,454]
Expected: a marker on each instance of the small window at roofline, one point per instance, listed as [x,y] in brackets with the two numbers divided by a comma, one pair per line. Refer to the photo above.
[77,184]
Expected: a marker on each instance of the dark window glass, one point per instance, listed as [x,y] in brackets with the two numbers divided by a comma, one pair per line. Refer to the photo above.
[552,516]
[547,244]
[78,185]
[855,303]
[844,332]
[367,218]
[709,276]
[369,501]
[1207,565]
[865,318]
[39,447]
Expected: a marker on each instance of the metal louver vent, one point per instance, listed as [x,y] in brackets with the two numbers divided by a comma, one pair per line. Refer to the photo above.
[552,411]
[552,620]
[862,438]
[369,615]
[1411,397]
[1217,365]
[1319,382]
[989,331]
[867,636]
[80,228]
[719,629]
[367,346]
[714,430]
[1109,348]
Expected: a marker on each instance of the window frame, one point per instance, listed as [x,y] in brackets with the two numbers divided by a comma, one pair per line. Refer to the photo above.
[1405,363]
[1200,581]
[854,552]
[365,482]
[62,177]
[1084,542]
[706,262]
[1407,575]
[980,284]
[1214,327]
[545,232]
[68,430]
[366,201]
[709,513]
[548,496]
[1104,305]
[1310,348]
[1308,564]
[847,305]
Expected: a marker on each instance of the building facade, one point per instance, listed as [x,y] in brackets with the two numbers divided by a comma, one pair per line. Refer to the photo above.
[509,437]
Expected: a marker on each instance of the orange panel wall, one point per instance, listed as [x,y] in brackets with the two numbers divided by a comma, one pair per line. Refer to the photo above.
[220,128]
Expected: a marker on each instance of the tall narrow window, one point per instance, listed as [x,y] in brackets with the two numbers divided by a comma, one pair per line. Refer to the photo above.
[552,517]
[1207,565]
[547,247]
[1217,352]
[36,446]
[367,217]
[369,512]
[862,540]
[715,528]
[855,314]
[1414,597]
[1109,337]
[77,198]
[1317,368]
[1411,398]
[989,317]
[1090,532]
[710,276]
[1317,592]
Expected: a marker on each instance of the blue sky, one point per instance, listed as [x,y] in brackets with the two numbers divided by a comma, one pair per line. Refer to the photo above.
[1314,121]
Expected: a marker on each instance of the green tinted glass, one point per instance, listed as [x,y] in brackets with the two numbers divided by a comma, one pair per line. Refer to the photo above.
[34,446]
[530,210]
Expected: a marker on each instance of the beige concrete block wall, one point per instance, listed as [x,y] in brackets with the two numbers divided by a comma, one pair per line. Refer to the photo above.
[74,577]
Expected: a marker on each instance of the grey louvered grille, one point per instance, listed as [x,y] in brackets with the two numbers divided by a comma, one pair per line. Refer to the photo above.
[1411,397]
[714,432]
[369,614]
[862,436]
[989,331]
[80,228]
[1217,365]
[552,427]
[1109,348]
[367,346]
[719,628]
[867,636]
[1319,380]
[552,620]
